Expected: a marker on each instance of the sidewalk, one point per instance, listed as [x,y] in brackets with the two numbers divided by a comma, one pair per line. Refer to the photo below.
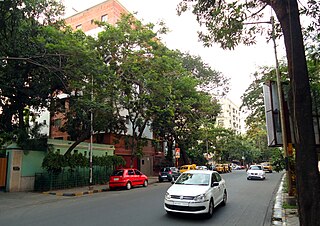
[281,216]
[79,191]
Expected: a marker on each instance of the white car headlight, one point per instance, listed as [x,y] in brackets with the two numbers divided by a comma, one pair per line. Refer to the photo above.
[200,198]
[167,196]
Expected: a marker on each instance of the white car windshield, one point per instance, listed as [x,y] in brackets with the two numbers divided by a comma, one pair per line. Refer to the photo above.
[255,168]
[194,179]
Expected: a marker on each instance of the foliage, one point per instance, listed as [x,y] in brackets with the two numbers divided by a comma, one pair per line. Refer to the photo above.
[54,162]
[210,81]
[234,22]
[278,161]
[155,86]
[38,57]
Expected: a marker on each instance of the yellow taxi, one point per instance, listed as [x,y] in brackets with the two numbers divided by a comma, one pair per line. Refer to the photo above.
[185,168]
[227,168]
[220,168]
[267,166]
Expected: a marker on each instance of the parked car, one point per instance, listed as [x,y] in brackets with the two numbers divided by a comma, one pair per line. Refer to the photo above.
[168,173]
[256,172]
[196,192]
[127,178]
[185,168]
[267,166]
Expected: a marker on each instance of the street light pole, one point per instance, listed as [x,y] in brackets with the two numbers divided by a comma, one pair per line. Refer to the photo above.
[106,60]
[91,137]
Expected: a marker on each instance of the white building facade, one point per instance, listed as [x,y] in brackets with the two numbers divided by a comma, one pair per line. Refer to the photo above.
[230,116]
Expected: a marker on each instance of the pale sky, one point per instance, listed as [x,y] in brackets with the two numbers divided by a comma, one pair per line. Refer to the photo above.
[238,64]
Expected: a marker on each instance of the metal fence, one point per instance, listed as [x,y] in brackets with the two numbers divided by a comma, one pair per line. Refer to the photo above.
[70,179]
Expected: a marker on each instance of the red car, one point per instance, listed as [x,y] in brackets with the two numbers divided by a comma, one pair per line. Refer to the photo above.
[127,178]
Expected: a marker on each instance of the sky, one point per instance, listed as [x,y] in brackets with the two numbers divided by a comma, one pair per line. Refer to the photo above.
[238,64]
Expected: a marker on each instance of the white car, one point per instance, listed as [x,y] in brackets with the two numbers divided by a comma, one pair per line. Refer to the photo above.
[256,172]
[196,192]
[201,168]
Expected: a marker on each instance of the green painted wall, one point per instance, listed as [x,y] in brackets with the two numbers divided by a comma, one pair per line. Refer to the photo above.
[97,149]
[31,162]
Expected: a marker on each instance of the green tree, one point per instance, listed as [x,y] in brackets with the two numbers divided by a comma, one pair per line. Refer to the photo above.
[189,110]
[234,22]
[141,65]
[38,58]
[28,74]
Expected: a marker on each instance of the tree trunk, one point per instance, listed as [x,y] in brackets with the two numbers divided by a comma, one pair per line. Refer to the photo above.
[307,180]
[83,137]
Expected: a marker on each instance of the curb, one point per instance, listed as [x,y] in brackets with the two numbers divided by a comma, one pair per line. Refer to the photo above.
[90,192]
[75,193]
[278,215]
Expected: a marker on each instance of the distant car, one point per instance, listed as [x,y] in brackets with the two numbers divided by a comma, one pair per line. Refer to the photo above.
[196,192]
[201,168]
[168,174]
[267,166]
[227,168]
[220,168]
[213,167]
[127,178]
[256,172]
[236,167]
[185,168]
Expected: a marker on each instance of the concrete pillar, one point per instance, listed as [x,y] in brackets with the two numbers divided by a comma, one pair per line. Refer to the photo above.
[14,168]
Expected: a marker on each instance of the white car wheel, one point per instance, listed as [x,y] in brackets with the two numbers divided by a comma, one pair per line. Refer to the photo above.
[210,210]
[224,199]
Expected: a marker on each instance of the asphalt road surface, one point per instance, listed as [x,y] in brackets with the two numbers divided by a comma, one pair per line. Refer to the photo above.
[249,204]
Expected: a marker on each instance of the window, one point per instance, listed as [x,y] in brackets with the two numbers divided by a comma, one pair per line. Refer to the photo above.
[104,18]
[130,172]
[218,177]
[117,173]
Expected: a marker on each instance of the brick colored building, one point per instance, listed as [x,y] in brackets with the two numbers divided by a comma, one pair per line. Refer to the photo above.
[109,11]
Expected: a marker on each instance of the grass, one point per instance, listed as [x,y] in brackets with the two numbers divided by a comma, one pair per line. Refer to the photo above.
[287,206]
[285,189]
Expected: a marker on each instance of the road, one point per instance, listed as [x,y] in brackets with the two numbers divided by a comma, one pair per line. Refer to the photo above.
[249,203]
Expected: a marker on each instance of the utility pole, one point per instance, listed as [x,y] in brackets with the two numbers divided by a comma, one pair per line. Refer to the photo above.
[282,114]
[91,138]
[107,59]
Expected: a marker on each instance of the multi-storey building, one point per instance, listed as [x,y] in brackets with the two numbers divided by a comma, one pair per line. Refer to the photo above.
[108,11]
[230,116]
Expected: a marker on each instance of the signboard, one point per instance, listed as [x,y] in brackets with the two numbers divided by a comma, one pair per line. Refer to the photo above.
[177,150]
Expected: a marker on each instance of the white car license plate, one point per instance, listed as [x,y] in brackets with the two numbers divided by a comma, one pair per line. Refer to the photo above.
[180,203]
